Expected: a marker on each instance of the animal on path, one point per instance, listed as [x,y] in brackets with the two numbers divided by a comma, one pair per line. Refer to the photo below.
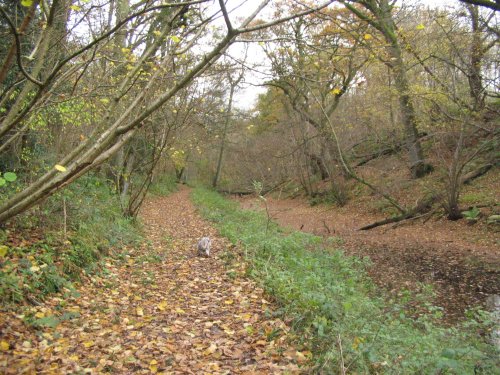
[204,246]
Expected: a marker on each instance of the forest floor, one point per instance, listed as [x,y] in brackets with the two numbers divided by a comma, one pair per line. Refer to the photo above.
[460,261]
[156,309]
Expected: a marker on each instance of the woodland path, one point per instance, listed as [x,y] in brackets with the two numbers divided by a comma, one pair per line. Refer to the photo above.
[460,261]
[158,309]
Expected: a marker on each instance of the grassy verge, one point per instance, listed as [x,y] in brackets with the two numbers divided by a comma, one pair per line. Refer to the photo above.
[334,307]
[39,258]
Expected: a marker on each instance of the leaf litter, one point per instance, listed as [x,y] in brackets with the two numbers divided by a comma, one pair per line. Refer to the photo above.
[157,309]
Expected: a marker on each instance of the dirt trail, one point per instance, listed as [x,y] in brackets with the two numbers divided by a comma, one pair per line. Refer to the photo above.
[462,262]
[159,309]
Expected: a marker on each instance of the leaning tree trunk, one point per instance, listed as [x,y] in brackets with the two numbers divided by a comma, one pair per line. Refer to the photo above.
[380,17]
[416,156]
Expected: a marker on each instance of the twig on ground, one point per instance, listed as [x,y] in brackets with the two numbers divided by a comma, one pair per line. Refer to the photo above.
[342,366]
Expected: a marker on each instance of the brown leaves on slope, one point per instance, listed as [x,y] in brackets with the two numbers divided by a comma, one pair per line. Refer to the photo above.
[157,309]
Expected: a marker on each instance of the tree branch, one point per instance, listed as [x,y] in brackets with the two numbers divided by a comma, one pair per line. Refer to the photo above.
[18,49]
[226,16]
[495,5]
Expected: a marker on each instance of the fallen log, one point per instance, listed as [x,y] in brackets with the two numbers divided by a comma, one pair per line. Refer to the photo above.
[392,149]
[250,192]
[476,173]
[236,192]
[426,204]
[421,208]
[386,151]
[387,221]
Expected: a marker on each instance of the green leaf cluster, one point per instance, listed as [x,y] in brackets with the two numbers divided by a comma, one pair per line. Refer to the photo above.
[7,177]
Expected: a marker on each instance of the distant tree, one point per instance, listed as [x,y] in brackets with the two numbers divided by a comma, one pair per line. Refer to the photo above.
[315,61]
[234,77]
[379,14]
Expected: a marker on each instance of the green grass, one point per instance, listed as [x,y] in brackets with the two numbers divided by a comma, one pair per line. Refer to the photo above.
[95,225]
[333,303]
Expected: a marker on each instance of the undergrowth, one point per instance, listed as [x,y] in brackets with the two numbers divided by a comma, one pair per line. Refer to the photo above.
[42,255]
[337,311]
[163,185]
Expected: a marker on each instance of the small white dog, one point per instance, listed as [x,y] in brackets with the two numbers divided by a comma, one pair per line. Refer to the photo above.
[204,246]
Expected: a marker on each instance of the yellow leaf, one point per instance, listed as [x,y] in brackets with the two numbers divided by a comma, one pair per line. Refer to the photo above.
[368,36]
[139,311]
[3,250]
[246,317]
[162,305]
[153,366]
[210,350]
[74,358]
[4,346]
[76,8]
[214,366]
[357,341]
[126,50]
[26,3]
[175,39]
[179,311]
[420,27]
[39,315]
[300,357]
[34,268]
[229,302]
[104,100]
[335,91]
[60,168]
[88,344]
[157,33]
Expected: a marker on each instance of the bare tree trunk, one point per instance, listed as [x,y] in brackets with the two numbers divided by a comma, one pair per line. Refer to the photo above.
[417,165]
[224,133]
[381,18]
[125,176]
[454,181]
[40,57]
[476,56]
